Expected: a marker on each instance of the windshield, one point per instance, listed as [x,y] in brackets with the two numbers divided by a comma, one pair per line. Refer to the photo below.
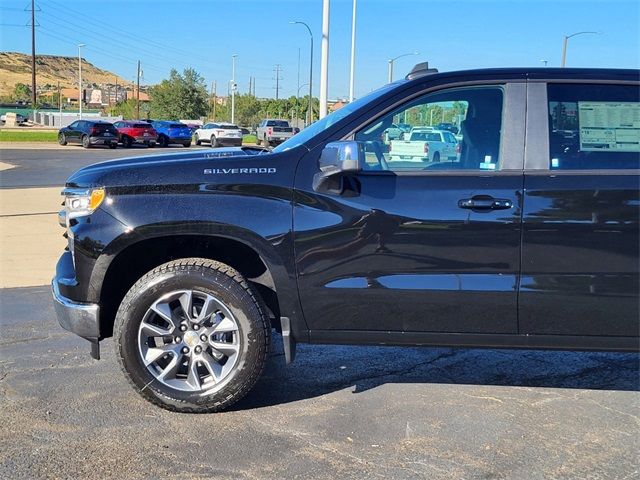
[332,119]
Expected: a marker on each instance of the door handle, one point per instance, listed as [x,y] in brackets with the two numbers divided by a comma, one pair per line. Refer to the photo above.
[485,202]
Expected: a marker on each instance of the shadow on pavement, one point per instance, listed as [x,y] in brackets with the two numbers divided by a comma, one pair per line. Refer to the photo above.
[322,369]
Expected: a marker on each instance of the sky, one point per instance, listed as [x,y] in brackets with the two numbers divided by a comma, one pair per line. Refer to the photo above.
[204,34]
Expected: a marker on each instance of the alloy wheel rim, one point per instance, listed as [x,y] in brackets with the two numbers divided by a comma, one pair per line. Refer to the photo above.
[189,341]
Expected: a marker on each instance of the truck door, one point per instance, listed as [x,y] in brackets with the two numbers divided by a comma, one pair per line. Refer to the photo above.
[418,246]
[582,205]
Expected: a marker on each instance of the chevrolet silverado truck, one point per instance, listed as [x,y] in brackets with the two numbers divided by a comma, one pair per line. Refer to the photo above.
[425,145]
[273,132]
[528,240]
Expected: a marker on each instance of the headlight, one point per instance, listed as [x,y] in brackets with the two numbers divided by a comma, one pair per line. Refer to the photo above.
[79,202]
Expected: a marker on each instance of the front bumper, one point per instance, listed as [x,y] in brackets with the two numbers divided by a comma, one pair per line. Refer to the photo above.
[83,319]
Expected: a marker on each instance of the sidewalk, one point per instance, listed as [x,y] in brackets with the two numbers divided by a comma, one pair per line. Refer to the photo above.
[30,146]
[30,238]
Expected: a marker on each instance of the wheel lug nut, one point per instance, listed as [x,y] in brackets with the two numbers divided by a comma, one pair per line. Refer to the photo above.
[185,350]
[198,349]
[203,337]
[178,339]
[196,326]
[183,328]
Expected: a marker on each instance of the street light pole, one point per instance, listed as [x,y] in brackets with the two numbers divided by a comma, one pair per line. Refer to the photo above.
[80,45]
[233,87]
[391,60]
[298,100]
[353,51]
[310,106]
[564,45]
[324,60]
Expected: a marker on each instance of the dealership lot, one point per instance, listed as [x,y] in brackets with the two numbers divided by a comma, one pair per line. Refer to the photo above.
[337,412]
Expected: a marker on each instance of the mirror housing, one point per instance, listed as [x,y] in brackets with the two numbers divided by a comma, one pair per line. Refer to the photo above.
[336,160]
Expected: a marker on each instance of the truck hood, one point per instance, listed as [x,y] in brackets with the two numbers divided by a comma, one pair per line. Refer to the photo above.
[195,167]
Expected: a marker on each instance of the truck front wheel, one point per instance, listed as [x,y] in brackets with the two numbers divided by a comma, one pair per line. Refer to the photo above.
[192,336]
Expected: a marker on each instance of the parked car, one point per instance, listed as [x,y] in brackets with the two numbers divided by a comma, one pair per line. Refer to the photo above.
[425,145]
[516,244]
[19,118]
[447,126]
[393,132]
[136,131]
[89,133]
[273,132]
[219,134]
[172,132]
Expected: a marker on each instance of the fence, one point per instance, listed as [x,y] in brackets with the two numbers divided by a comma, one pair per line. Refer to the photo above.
[58,120]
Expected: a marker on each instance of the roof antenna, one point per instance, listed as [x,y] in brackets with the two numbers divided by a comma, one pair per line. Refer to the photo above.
[421,69]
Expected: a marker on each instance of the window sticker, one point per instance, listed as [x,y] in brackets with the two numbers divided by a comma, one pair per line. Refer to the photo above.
[609,126]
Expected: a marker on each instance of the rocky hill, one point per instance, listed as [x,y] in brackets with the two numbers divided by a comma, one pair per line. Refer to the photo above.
[50,69]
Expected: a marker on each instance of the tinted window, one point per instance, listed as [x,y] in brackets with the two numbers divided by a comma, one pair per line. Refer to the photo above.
[478,111]
[74,124]
[177,125]
[227,127]
[594,126]
[277,123]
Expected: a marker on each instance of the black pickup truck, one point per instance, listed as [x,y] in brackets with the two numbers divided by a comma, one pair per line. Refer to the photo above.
[527,238]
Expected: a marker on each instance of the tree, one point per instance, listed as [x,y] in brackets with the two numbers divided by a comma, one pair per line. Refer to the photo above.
[21,92]
[181,96]
[126,108]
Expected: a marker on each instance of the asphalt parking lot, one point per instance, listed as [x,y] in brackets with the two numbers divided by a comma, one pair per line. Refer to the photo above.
[337,412]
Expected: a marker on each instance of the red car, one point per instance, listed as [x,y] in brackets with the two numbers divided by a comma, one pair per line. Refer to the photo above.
[132,131]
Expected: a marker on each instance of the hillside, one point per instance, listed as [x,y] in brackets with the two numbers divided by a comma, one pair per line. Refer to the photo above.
[50,69]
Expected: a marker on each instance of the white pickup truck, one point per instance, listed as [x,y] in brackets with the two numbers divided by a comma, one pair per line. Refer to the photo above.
[273,132]
[425,145]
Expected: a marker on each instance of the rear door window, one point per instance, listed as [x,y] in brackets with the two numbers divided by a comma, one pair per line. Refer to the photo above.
[593,127]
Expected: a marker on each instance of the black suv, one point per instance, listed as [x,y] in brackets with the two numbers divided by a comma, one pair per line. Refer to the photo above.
[526,237]
[89,133]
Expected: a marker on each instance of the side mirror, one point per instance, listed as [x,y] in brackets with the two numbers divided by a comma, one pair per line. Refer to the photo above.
[336,160]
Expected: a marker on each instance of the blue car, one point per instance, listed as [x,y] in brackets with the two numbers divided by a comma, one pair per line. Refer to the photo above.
[172,132]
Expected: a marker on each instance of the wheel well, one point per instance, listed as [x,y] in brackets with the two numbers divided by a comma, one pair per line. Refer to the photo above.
[139,258]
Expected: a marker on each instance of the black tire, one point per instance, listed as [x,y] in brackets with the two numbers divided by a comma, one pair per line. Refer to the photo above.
[258,141]
[198,142]
[214,142]
[209,277]
[436,157]
[127,141]
[86,142]
[113,145]
[151,144]
[266,142]
[62,139]
[163,141]
[186,144]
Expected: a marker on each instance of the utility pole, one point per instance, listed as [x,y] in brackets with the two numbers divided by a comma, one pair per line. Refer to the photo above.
[233,88]
[213,96]
[324,63]
[60,105]
[33,55]
[80,45]
[353,51]
[278,80]
[138,93]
